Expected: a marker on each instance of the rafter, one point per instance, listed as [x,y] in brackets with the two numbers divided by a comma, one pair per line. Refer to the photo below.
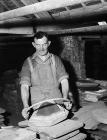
[36,8]
[15,3]
[2,2]
[17,30]
[88,29]
[38,15]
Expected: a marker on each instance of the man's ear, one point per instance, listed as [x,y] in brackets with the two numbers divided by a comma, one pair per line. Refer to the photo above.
[33,44]
[49,42]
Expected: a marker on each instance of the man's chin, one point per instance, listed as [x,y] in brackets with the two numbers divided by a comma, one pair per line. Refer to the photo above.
[42,54]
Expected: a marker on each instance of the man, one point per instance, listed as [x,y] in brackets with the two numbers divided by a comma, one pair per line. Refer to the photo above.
[41,75]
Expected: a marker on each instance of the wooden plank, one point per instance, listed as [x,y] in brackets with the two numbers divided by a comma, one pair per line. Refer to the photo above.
[39,15]
[20,19]
[89,11]
[15,3]
[17,30]
[27,2]
[88,29]
[83,11]
[37,7]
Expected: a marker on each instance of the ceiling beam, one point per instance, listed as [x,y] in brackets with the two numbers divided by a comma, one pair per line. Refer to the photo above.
[15,20]
[18,30]
[15,3]
[37,7]
[29,2]
[89,29]
[54,30]
[38,15]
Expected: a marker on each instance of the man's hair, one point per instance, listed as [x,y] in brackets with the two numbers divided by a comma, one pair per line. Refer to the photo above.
[40,35]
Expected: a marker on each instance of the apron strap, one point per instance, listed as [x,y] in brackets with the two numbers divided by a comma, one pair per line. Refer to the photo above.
[30,64]
[53,66]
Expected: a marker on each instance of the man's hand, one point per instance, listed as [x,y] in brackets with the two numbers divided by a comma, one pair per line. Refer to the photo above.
[68,105]
[25,113]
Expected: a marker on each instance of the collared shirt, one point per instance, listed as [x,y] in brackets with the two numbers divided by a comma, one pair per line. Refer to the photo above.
[26,73]
[39,58]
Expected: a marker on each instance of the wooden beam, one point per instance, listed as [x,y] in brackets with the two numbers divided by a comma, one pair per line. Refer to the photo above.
[37,7]
[86,11]
[89,29]
[15,20]
[28,2]
[15,3]
[38,15]
[96,28]
[18,30]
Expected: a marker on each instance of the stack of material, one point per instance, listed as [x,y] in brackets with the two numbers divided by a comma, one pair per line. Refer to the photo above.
[2,119]
[90,91]
[8,133]
[88,97]
[94,96]
[66,130]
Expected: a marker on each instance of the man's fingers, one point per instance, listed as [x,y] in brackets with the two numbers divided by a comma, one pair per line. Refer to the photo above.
[68,105]
[25,113]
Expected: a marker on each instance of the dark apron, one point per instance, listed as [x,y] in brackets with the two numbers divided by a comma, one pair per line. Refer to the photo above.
[44,83]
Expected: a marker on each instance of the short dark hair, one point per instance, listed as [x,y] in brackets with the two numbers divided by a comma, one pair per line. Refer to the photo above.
[40,35]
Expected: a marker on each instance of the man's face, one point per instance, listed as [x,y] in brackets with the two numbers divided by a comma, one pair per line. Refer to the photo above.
[41,46]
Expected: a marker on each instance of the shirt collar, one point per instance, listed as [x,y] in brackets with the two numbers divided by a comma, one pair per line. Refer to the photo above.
[36,56]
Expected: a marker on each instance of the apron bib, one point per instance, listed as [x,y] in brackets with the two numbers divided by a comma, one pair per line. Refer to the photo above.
[44,82]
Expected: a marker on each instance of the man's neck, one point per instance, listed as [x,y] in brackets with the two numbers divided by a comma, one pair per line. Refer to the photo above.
[44,57]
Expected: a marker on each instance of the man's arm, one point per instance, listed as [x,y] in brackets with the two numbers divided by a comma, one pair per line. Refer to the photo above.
[25,95]
[65,92]
[25,98]
[65,88]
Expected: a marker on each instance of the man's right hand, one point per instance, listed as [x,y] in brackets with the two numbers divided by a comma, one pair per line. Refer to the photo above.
[25,113]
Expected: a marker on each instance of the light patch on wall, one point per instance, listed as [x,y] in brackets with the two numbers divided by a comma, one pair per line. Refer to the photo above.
[102,23]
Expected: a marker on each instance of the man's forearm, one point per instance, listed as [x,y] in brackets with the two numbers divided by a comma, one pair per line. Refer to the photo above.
[65,88]
[25,95]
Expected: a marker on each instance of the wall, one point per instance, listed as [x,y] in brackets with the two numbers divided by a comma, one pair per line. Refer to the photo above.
[74,53]
[96,58]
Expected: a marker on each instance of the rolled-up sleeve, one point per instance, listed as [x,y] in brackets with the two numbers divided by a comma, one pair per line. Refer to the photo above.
[25,75]
[60,70]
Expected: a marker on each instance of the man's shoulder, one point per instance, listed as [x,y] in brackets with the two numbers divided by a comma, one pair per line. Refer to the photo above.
[25,63]
[56,57]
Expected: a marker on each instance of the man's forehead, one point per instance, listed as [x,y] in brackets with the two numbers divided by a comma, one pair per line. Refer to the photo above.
[43,39]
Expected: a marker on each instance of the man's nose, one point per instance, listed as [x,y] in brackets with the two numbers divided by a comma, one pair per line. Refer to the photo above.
[42,47]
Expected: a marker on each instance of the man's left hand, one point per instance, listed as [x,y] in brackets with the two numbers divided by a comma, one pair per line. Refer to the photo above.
[68,105]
